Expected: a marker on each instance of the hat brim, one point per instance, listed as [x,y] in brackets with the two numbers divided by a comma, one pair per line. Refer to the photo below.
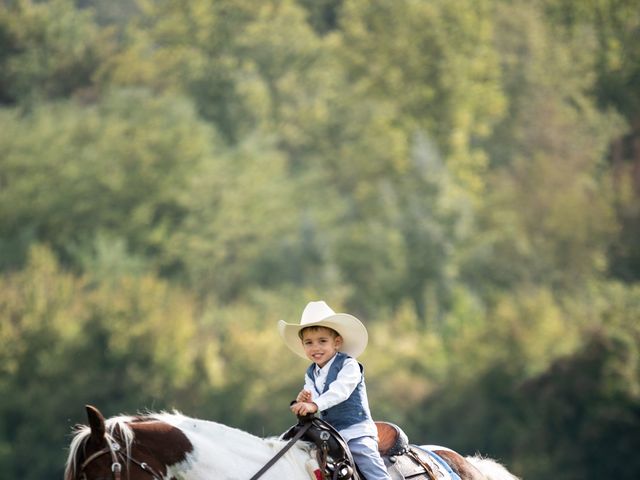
[353,332]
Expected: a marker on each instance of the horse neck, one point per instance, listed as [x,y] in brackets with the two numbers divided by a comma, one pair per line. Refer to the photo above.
[220,451]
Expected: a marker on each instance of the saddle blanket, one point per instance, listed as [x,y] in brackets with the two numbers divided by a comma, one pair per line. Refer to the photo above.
[427,466]
[429,449]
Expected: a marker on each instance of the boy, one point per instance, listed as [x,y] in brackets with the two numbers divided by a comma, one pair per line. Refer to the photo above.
[334,382]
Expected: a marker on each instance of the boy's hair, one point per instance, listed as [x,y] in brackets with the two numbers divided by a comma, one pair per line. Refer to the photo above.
[315,328]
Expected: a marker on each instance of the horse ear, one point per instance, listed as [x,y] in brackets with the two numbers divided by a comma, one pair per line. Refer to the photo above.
[96,422]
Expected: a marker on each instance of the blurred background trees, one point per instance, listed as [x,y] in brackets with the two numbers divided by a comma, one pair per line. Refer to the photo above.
[175,177]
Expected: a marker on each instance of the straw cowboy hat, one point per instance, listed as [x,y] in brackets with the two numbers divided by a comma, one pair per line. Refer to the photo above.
[319,314]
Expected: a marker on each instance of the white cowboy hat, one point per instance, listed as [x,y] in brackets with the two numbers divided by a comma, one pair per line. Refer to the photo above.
[319,314]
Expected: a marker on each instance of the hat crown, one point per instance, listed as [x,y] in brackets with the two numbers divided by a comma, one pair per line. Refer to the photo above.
[315,312]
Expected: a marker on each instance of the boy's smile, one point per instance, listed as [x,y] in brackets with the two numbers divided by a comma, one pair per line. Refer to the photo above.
[320,344]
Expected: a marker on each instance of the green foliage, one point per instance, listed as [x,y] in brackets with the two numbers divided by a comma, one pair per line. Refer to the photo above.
[48,50]
[549,152]
[573,417]
[120,345]
[592,397]
[119,168]
[436,61]
[615,29]
[323,14]
[616,26]
[225,223]
[177,176]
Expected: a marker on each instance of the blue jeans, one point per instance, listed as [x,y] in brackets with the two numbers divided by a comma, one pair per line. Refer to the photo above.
[367,457]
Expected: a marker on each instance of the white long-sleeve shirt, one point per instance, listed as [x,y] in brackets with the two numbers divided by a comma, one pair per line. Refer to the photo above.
[339,390]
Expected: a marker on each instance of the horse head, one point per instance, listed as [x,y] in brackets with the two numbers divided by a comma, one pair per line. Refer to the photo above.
[136,448]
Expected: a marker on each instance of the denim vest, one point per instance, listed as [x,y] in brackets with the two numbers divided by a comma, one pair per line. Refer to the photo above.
[354,409]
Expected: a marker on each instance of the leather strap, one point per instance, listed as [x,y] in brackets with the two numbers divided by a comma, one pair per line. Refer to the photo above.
[284,450]
[116,466]
[413,454]
[147,468]
[343,445]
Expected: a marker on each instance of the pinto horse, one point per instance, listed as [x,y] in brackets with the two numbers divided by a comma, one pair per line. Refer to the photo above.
[167,446]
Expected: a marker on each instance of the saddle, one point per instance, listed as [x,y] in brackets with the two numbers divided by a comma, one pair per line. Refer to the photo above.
[403,461]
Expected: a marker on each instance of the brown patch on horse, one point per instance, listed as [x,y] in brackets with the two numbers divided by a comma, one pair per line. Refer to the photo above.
[154,439]
[460,465]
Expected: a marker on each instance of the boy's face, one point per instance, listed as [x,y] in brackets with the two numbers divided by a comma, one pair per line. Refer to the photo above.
[320,344]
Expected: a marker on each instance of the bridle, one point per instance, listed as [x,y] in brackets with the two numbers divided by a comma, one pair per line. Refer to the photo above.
[117,459]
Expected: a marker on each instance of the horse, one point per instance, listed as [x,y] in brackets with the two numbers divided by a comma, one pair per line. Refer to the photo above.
[172,446]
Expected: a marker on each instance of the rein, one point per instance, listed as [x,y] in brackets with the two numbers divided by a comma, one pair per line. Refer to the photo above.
[113,449]
[284,450]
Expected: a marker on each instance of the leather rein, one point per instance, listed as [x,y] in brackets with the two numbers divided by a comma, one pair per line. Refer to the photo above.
[117,459]
[284,450]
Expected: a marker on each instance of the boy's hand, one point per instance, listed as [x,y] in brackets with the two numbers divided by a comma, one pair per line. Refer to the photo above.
[304,408]
[304,396]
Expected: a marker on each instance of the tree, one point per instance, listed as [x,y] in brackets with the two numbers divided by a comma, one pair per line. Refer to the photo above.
[48,50]
[588,399]
[73,340]
[437,62]
[615,28]
[241,226]
[236,61]
[549,164]
[120,168]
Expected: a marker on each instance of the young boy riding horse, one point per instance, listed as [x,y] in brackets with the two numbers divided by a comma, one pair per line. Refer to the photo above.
[334,382]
